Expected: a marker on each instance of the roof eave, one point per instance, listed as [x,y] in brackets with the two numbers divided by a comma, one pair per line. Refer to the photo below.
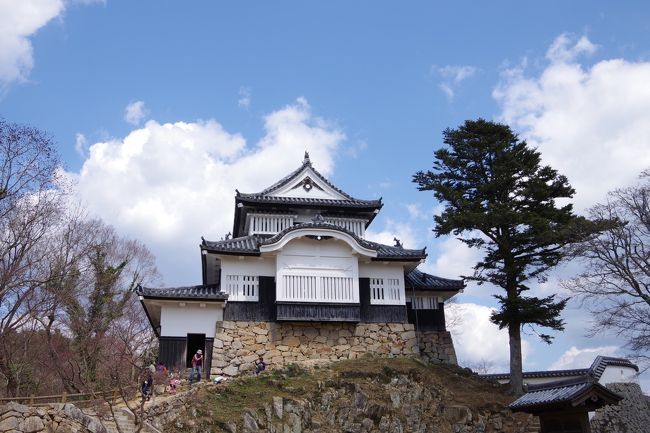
[185,298]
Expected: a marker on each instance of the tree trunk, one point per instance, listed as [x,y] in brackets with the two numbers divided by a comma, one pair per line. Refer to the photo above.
[11,388]
[516,374]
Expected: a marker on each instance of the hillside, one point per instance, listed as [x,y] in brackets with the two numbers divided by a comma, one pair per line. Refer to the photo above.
[362,395]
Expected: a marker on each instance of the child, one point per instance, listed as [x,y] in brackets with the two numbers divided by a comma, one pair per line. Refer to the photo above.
[173,382]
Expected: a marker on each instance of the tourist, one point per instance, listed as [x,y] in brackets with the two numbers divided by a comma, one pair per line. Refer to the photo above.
[260,365]
[197,366]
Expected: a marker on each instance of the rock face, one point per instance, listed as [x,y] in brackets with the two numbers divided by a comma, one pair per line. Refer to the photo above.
[630,415]
[238,344]
[372,396]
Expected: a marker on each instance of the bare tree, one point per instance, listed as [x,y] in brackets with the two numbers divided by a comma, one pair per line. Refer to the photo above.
[615,284]
[30,204]
[91,289]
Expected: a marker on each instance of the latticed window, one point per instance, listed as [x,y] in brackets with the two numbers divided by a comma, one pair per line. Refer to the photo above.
[316,288]
[242,287]
[424,303]
[385,291]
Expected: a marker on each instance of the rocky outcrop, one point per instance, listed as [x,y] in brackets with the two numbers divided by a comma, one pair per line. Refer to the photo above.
[237,345]
[364,396]
[630,415]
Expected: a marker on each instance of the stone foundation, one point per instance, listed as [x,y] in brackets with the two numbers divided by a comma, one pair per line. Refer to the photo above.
[237,345]
[437,347]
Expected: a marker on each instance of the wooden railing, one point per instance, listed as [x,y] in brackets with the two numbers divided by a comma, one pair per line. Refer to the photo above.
[356,226]
[42,400]
[269,224]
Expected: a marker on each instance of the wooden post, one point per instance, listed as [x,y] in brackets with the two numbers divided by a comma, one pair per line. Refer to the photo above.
[31,399]
[114,398]
[64,397]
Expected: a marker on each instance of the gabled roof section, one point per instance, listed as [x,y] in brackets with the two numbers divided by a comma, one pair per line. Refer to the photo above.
[602,362]
[418,280]
[584,391]
[306,186]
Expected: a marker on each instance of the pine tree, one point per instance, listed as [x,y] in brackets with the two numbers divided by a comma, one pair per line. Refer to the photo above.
[502,200]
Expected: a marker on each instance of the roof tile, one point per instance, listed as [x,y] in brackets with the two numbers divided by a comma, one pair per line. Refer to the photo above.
[210,292]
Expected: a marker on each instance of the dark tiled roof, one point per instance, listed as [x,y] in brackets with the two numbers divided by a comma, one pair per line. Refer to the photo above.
[568,392]
[305,201]
[263,196]
[389,252]
[251,244]
[596,370]
[210,292]
[553,393]
[539,374]
[419,280]
[242,245]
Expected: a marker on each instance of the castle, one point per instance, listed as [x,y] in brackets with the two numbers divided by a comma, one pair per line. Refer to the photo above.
[297,282]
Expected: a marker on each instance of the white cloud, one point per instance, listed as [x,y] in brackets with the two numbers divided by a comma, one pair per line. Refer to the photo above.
[81,144]
[562,50]
[19,20]
[169,184]
[452,76]
[135,112]
[477,340]
[589,122]
[245,96]
[415,211]
[582,358]
[353,150]
[394,229]
[453,259]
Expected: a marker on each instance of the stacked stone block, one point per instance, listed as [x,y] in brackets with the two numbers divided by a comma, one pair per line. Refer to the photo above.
[238,344]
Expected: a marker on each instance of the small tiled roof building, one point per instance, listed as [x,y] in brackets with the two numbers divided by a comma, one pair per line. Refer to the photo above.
[297,281]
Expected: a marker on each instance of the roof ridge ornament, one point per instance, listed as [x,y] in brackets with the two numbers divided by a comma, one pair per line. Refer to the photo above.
[306,161]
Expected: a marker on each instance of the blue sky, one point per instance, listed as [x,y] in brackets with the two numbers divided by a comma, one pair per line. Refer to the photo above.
[161,109]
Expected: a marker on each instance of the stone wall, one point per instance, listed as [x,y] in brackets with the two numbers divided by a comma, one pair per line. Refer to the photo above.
[65,418]
[630,415]
[437,347]
[237,345]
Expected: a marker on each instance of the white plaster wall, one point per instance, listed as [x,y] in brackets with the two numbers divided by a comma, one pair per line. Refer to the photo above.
[385,270]
[178,321]
[380,270]
[617,374]
[308,254]
[329,258]
[257,266]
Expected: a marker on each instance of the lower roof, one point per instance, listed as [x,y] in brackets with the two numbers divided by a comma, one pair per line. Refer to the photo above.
[596,370]
[201,292]
[583,392]
[418,280]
